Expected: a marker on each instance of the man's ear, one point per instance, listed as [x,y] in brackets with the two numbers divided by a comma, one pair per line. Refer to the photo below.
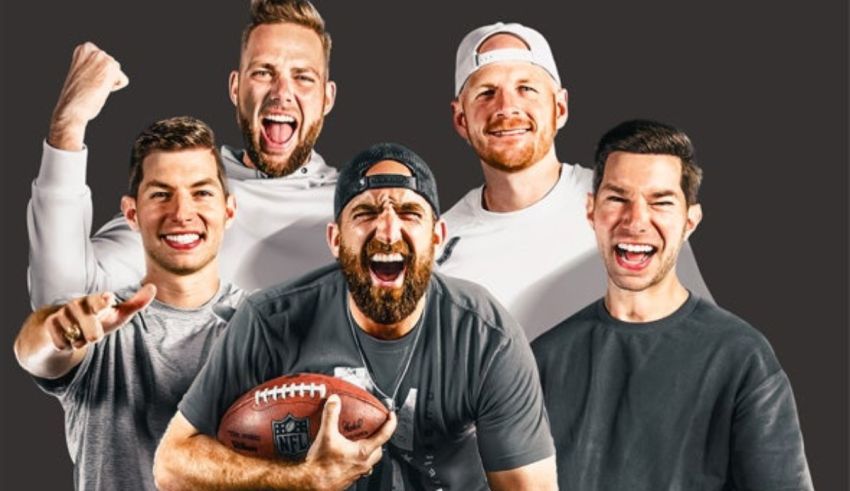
[128,209]
[233,86]
[440,232]
[561,107]
[459,119]
[330,96]
[694,217]
[229,210]
[332,237]
[589,206]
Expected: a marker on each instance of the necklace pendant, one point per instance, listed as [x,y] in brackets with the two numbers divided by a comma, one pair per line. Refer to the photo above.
[389,403]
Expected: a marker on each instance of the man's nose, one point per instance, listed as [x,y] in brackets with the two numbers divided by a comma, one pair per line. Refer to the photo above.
[281,89]
[183,207]
[389,227]
[506,103]
[636,216]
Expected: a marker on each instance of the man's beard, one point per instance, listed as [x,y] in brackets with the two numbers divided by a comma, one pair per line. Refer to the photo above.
[299,155]
[668,264]
[165,262]
[516,158]
[386,305]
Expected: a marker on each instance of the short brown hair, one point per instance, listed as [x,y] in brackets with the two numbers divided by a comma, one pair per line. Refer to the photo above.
[643,136]
[299,12]
[171,135]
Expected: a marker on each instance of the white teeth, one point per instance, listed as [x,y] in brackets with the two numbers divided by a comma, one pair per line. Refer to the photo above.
[518,131]
[279,118]
[387,258]
[635,247]
[182,238]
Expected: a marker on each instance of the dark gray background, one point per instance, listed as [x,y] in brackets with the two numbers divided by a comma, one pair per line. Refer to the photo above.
[761,87]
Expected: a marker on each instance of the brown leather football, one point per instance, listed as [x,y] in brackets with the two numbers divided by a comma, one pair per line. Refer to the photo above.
[280,418]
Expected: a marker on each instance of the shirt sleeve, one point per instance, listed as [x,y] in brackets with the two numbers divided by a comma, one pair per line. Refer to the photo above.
[64,260]
[512,426]
[239,361]
[67,384]
[767,444]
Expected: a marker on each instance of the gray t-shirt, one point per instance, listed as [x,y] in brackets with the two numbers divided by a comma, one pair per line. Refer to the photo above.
[471,368]
[119,399]
[696,400]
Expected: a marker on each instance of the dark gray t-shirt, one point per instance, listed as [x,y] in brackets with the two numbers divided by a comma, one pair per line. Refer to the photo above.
[471,367]
[119,399]
[696,400]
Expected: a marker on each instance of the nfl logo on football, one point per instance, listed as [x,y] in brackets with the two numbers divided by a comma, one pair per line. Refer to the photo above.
[291,436]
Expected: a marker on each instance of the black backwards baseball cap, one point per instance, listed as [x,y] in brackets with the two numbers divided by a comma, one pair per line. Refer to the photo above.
[353,180]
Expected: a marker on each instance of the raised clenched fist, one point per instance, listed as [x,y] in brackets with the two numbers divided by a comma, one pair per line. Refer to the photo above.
[92,76]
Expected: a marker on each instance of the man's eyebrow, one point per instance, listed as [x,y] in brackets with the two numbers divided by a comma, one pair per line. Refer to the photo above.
[664,193]
[157,184]
[260,64]
[528,81]
[364,207]
[306,69]
[410,207]
[483,84]
[209,181]
[613,188]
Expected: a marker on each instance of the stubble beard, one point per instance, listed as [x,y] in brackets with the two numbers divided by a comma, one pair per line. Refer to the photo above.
[667,265]
[164,262]
[514,159]
[300,154]
[386,305]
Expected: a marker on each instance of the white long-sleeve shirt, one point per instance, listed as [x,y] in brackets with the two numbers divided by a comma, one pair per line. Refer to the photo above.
[278,233]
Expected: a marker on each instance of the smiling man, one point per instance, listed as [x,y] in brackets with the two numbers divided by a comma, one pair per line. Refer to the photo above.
[440,353]
[281,90]
[120,362]
[522,235]
[652,387]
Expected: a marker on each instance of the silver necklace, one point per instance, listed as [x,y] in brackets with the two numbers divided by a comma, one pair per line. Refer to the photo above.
[388,400]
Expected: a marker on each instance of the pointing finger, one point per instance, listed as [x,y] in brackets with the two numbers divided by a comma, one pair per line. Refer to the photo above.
[118,315]
[141,299]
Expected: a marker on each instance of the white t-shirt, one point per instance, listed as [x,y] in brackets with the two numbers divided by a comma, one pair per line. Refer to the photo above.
[541,262]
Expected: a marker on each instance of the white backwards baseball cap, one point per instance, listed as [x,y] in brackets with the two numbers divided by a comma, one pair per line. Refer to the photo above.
[469,60]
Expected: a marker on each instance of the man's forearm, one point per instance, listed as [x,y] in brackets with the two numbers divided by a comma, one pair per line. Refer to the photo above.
[537,476]
[193,461]
[63,259]
[36,352]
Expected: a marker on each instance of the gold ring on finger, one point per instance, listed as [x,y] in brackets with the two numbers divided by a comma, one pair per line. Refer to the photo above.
[73,333]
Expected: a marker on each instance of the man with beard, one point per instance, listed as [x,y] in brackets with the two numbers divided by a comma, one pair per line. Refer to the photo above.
[120,362]
[652,387]
[522,235]
[281,91]
[440,352]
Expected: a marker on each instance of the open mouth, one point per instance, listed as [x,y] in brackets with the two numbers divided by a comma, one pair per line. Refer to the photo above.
[278,130]
[387,268]
[634,256]
[183,241]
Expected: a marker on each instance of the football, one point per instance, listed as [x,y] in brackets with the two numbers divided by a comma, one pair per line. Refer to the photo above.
[281,417]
